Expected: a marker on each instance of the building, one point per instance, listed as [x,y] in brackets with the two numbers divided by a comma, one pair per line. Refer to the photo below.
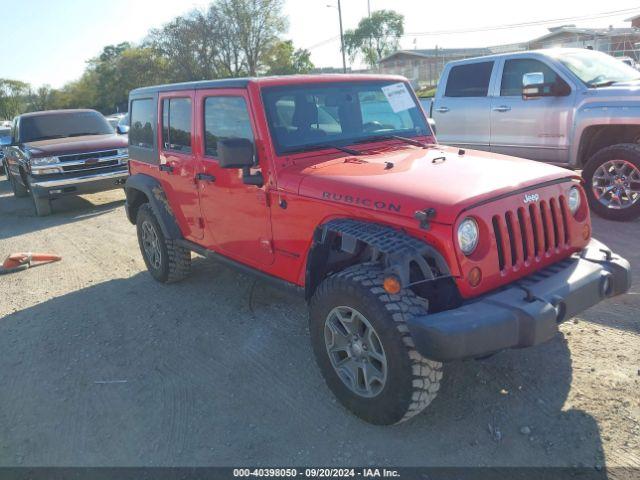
[423,67]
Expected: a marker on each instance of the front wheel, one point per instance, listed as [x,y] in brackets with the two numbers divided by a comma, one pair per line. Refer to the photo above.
[612,179]
[364,350]
[19,190]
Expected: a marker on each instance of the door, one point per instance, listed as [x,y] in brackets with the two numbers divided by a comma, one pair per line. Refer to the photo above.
[236,215]
[462,112]
[538,128]
[178,163]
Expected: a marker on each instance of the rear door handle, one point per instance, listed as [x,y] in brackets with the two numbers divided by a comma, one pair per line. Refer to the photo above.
[205,177]
[165,168]
[442,109]
[502,108]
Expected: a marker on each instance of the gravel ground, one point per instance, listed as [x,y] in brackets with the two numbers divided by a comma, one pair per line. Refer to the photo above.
[100,365]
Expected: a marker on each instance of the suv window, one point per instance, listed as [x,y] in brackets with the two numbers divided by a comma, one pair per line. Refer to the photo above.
[471,80]
[142,119]
[511,84]
[176,124]
[225,117]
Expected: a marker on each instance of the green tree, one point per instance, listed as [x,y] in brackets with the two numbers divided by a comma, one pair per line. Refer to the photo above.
[13,97]
[284,59]
[375,37]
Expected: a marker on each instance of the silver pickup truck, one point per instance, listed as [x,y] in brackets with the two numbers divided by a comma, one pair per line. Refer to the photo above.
[575,108]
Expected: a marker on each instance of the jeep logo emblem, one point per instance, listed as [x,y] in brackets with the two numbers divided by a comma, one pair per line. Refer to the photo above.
[531,197]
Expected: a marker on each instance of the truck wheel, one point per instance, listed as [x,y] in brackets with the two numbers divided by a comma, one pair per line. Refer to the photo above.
[166,261]
[42,206]
[612,176]
[364,350]
[19,190]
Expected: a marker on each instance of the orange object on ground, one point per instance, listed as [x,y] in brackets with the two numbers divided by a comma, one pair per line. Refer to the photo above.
[21,261]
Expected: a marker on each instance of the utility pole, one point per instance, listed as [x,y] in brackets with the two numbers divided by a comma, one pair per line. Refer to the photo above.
[344,61]
[369,7]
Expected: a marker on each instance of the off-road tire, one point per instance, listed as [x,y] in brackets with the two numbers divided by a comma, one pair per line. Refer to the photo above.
[41,205]
[175,261]
[412,380]
[18,189]
[624,151]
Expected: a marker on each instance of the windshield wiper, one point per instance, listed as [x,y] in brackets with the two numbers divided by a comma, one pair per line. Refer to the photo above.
[410,141]
[328,145]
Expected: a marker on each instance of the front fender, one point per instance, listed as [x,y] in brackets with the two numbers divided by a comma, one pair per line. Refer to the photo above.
[592,115]
[140,188]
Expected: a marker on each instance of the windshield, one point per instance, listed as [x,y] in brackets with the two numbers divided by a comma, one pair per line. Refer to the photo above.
[303,117]
[61,125]
[596,68]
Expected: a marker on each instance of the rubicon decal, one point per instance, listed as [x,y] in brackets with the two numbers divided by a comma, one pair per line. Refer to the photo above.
[365,202]
[531,197]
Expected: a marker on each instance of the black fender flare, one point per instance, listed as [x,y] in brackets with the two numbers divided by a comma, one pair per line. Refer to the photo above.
[393,248]
[151,188]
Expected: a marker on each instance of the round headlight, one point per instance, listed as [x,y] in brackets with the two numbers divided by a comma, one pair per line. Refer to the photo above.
[574,200]
[468,235]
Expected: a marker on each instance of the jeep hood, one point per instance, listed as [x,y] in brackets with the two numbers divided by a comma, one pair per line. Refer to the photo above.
[412,179]
[70,145]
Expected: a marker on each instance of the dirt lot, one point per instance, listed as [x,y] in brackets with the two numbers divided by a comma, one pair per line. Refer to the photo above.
[99,365]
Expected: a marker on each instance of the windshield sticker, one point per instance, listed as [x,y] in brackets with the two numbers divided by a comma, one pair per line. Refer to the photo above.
[399,97]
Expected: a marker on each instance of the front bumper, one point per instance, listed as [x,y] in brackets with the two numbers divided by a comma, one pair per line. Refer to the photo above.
[96,182]
[526,313]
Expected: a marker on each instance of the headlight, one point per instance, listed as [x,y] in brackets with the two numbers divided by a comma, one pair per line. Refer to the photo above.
[40,161]
[468,235]
[123,151]
[574,200]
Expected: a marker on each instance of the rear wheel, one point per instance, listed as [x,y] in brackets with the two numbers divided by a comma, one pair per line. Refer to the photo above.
[612,176]
[166,261]
[364,350]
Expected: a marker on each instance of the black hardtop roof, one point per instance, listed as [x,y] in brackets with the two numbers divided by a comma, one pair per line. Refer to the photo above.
[197,85]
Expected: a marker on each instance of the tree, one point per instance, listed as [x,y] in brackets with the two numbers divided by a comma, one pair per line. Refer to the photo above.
[255,25]
[13,95]
[283,59]
[375,37]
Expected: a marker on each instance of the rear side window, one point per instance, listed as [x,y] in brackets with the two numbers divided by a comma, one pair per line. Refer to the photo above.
[142,119]
[176,124]
[471,80]
[225,117]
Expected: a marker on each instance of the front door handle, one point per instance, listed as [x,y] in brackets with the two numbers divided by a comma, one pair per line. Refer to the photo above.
[165,167]
[204,177]
[442,109]
[502,108]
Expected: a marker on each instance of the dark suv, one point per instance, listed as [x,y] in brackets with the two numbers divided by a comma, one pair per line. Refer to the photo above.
[63,152]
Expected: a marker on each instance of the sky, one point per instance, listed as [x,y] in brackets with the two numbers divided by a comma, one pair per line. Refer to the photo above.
[54,38]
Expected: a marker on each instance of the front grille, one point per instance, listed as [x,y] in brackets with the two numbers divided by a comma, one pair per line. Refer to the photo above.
[530,233]
[90,166]
[85,156]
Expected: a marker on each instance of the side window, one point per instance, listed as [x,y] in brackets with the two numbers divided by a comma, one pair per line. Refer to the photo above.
[176,124]
[142,119]
[225,117]
[470,80]
[511,84]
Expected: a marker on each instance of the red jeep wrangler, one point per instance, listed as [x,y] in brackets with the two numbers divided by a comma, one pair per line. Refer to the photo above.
[409,253]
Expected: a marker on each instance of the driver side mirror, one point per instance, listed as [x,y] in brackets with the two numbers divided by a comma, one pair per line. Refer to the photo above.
[235,153]
[240,153]
[532,85]
[122,129]
[6,141]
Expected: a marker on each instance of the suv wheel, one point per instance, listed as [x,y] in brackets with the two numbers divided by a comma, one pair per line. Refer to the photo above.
[166,261]
[364,350]
[18,189]
[613,182]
